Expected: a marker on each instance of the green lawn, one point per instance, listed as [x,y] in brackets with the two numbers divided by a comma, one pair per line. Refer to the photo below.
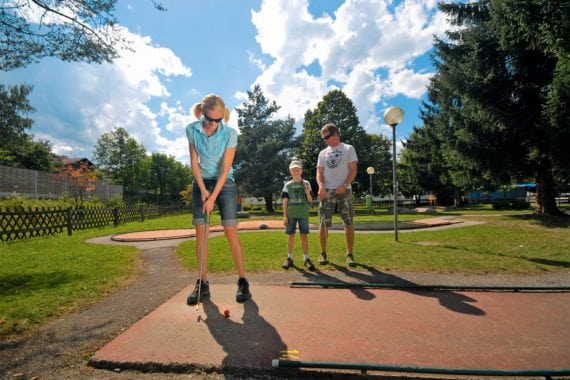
[42,278]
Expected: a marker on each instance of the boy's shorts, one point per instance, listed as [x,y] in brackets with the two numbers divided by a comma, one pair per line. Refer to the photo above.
[292,224]
[341,203]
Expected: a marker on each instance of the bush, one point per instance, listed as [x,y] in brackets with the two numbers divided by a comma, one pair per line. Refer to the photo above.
[21,202]
[115,201]
[511,204]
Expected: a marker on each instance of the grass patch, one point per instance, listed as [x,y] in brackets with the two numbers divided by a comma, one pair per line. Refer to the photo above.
[503,244]
[42,278]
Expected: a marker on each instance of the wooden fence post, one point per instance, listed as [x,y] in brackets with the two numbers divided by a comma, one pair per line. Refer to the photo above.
[116,216]
[69,222]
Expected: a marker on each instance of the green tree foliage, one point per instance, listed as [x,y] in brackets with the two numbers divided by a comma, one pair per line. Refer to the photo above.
[499,100]
[71,30]
[17,147]
[119,157]
[164,178]
[374,151]
[14,104]
[337,108]
[264,147]
[421,167]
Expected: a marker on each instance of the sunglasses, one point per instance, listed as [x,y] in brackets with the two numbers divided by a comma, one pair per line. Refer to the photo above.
[210,119]
[327,136]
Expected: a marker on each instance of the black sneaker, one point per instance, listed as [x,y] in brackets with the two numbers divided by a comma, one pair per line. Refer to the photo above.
[309,265]
[204,292]
[323,260]
[350,260]
[243,293]
[287,264]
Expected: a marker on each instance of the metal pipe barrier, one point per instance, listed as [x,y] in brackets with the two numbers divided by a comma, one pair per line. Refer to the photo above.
[364,367]
[476,288]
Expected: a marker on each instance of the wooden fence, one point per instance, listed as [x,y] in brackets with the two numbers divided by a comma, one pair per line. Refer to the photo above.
[20,223]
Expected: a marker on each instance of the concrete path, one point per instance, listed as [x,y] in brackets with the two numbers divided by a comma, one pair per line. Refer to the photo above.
[252,225]
[394,330]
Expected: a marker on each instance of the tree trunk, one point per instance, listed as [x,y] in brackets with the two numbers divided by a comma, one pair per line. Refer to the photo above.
[545,193]
[269,202]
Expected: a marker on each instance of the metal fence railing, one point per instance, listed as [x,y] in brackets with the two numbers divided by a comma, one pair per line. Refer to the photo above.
[43,185]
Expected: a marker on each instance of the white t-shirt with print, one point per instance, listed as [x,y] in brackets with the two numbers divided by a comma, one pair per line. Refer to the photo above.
[335,161]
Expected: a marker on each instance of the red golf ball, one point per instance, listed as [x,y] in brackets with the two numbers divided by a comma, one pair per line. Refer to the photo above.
[226,313]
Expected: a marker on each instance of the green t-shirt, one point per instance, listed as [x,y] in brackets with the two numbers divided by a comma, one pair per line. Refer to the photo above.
[298,206]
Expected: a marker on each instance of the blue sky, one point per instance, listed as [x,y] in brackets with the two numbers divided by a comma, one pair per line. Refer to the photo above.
[376,51]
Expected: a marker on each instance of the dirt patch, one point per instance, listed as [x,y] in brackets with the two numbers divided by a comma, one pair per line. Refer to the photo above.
[428,243]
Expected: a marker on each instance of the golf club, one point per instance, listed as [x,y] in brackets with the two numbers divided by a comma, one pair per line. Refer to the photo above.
[204,240]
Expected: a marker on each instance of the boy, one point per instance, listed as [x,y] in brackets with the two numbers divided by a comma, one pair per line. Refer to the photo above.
[297,201]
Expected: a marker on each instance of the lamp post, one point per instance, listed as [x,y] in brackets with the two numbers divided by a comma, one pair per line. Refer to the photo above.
[370,171]
[394,116]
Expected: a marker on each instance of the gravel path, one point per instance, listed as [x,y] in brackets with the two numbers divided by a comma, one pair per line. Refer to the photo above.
[61,349]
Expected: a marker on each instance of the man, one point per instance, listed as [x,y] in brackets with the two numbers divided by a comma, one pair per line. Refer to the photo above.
[336,169]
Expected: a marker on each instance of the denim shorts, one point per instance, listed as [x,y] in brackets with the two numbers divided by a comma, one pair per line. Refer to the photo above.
[226,202]
[292,224]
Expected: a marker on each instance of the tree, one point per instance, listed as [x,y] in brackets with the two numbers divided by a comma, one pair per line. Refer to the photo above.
[35,155]
[374,152]
[119,157]
[17,147]
[422,168]
[337,108]
[71,30]
[14,104]
[264,147]
[82,179]
[165,178]
[500,94]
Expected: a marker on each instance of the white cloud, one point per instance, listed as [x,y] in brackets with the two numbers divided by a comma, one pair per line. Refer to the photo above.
[367,49]
[364,39]
[141,68]
[88,100]
[408,82]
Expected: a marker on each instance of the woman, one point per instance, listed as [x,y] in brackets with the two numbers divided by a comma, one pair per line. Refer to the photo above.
[212,150]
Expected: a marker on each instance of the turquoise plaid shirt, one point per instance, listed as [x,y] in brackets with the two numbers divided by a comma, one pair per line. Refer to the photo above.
[211,149]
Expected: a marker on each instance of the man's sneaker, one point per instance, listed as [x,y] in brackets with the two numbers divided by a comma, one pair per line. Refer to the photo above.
[350,260]
[288,263]
[309,265]
[204,292]
[323,260]
[243,293]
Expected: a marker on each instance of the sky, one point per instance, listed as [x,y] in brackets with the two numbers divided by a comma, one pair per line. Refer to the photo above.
[376,51]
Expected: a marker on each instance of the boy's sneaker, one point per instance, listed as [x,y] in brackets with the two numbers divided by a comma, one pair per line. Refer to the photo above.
[243,293]
[288,263]
[309,265]
[350,260]
[323,260]
[204,292]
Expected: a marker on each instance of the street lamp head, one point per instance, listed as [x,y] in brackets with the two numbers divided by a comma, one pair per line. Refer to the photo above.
[370,170]
[393,116]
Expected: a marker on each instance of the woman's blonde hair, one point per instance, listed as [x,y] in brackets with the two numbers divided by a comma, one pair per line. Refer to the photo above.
[211,102]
